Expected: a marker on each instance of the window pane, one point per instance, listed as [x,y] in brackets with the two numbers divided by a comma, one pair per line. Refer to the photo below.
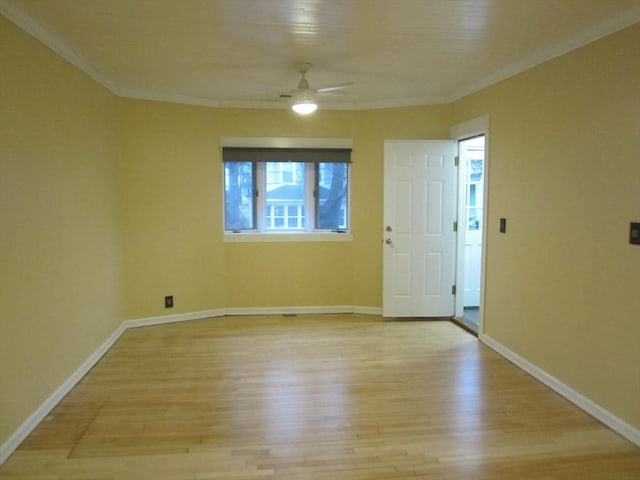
[474,219]
[332,188]
[471,195]
[476,169]
[238,196]
[285,191]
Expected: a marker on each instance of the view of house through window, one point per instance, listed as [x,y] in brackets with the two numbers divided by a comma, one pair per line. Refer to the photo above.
[286,196]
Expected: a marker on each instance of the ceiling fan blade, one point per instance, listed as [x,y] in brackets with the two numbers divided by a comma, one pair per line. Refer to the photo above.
[333,93]
[332,88]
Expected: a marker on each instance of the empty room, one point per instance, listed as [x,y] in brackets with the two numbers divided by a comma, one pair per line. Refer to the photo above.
[278,240]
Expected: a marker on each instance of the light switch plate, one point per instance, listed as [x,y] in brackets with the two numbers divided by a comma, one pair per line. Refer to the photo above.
[634,233]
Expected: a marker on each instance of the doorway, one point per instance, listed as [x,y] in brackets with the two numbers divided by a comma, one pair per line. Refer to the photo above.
[471,201]
[423,239]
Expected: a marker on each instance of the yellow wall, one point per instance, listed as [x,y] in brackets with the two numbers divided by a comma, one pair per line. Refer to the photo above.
[562,288]
[60,251]
[372,128]
[172,210]
[109,204]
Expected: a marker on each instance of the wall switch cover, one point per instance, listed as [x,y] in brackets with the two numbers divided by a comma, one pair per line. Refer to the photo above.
[634,233]
[168,301]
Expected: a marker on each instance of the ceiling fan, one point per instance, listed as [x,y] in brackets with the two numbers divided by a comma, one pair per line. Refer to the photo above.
[303,98]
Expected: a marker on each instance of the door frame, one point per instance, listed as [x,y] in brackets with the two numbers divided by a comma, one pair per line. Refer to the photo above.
[472,128]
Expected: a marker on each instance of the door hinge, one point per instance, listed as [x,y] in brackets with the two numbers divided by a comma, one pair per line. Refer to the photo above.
[453,289]
[456,161]
[455,226]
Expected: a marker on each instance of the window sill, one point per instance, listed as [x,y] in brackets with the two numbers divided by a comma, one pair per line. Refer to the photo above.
[287,237]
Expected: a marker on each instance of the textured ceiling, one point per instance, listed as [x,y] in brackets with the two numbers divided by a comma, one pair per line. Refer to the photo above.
[245,52]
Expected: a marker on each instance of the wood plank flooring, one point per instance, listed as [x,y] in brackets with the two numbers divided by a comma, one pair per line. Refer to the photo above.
[326,397]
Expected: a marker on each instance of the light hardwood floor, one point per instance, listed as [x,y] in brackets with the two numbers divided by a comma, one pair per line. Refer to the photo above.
[322,397]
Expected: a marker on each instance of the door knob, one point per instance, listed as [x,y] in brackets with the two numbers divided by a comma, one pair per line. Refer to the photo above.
[388,241]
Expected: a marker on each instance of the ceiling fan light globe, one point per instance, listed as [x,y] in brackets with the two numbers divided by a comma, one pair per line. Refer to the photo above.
[304,102]
[304,108]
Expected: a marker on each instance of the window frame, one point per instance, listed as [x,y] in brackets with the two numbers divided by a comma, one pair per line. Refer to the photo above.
[260,233]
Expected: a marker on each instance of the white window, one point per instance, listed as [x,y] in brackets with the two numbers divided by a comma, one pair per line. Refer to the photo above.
[281,195]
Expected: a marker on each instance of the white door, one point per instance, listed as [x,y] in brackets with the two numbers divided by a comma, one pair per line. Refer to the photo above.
[419,239]
[472,267]
[472,169]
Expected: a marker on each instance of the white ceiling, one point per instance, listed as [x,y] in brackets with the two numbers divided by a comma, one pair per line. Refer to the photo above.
[244,52]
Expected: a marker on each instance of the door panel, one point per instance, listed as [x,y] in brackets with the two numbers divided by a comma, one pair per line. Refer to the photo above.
[403,275]
[433,274]
[403,207]
[419,211]
[433,207]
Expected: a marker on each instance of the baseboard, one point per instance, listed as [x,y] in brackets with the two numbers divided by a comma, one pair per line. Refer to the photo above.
[237,311]
[290,310]
[173,318]
[609,419]
[14,441]
[367,310]
[304,310]
[182,317]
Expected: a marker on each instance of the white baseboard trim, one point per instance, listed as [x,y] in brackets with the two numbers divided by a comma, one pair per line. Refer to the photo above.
[174,318]
[367,310]
[290,310]
[237,311]
[609,419]
[14,441]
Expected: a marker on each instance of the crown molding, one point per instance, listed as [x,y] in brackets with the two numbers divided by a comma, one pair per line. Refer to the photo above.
[597,32]
[36,30]
[593,34]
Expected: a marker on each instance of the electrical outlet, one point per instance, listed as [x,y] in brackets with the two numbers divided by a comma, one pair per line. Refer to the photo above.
[168,301]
